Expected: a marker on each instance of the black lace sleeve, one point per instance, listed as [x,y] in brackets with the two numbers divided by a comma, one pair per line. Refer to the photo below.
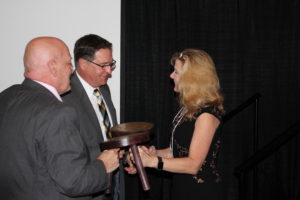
[211,110]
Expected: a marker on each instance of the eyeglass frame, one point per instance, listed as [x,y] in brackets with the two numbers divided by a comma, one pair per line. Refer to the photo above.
[112,65]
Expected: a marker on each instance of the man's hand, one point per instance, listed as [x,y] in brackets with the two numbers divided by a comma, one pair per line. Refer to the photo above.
[110,159]
[131,167]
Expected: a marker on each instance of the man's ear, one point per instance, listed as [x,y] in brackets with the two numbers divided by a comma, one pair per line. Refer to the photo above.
[82,63]
[52,67]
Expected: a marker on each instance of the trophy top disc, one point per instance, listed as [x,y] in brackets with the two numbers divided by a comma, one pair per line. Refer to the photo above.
[132,127]
[129,133]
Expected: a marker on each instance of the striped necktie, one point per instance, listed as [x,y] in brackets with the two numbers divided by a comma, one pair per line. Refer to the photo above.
[102,108]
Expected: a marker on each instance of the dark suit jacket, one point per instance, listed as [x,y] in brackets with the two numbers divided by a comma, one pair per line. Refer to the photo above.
[90,129]
[42,154]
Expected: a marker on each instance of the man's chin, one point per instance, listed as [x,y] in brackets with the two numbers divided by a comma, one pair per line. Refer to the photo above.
[104,82]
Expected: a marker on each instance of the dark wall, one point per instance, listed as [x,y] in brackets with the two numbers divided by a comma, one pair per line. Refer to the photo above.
[256,48]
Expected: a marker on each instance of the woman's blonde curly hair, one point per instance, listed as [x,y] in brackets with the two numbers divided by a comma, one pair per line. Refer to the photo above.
[198,85]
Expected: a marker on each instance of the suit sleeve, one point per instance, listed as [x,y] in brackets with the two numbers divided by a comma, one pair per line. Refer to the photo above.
[66,156]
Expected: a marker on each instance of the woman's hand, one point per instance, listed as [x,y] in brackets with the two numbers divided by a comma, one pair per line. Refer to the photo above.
[148,156]
[150,150]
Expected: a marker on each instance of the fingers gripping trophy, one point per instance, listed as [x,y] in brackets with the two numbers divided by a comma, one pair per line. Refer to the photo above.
[131,134]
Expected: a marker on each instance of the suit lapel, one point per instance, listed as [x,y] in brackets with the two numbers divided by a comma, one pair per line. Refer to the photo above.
[85,103]
[106,95]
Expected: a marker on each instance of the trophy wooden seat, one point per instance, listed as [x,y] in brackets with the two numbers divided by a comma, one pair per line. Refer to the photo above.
[131,134]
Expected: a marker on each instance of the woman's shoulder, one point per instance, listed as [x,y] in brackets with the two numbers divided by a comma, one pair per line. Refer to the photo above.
[211,110]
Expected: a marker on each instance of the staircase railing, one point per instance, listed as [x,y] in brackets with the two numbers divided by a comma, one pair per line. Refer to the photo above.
[263,153]
[252,100]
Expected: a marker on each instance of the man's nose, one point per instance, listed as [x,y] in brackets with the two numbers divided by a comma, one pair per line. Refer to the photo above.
[108,69]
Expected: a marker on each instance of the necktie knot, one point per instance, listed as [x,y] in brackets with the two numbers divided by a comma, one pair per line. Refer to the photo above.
[98,96]
[97,92]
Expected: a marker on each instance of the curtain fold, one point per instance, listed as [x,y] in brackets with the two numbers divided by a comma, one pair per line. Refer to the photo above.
[256,48]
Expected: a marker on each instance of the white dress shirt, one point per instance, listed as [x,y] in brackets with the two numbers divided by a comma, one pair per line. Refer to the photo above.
[90,93]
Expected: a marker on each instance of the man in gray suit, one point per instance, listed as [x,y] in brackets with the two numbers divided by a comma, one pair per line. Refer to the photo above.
[94,66]
[42,154]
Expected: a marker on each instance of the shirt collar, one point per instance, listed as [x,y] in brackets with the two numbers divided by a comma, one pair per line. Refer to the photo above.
[51,89]
[87,87]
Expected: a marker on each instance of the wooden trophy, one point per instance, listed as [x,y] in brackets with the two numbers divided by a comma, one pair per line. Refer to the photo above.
[130,134]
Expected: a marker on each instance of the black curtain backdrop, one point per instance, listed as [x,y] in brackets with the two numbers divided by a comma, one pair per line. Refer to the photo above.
[256,47]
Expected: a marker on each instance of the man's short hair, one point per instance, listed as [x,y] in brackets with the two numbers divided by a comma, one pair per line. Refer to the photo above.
[86,46]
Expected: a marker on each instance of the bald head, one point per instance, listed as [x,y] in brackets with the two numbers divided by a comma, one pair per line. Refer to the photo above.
[38,53]
[44,59]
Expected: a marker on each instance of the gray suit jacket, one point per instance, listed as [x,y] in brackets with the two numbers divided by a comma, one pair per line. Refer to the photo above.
[42,154]
[91,131]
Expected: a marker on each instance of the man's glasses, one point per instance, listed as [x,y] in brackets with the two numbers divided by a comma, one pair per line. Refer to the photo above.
[112,65]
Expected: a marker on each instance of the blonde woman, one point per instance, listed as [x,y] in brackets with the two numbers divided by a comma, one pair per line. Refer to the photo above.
[195,141]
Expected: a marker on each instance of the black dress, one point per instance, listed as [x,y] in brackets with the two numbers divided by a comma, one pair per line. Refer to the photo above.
[206,183]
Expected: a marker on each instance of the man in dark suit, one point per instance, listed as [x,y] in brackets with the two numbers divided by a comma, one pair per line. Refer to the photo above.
[42,154]
[94,66]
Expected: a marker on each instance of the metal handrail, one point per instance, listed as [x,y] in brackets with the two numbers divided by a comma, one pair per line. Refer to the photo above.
[263,153]
[241,107]
[253,99]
